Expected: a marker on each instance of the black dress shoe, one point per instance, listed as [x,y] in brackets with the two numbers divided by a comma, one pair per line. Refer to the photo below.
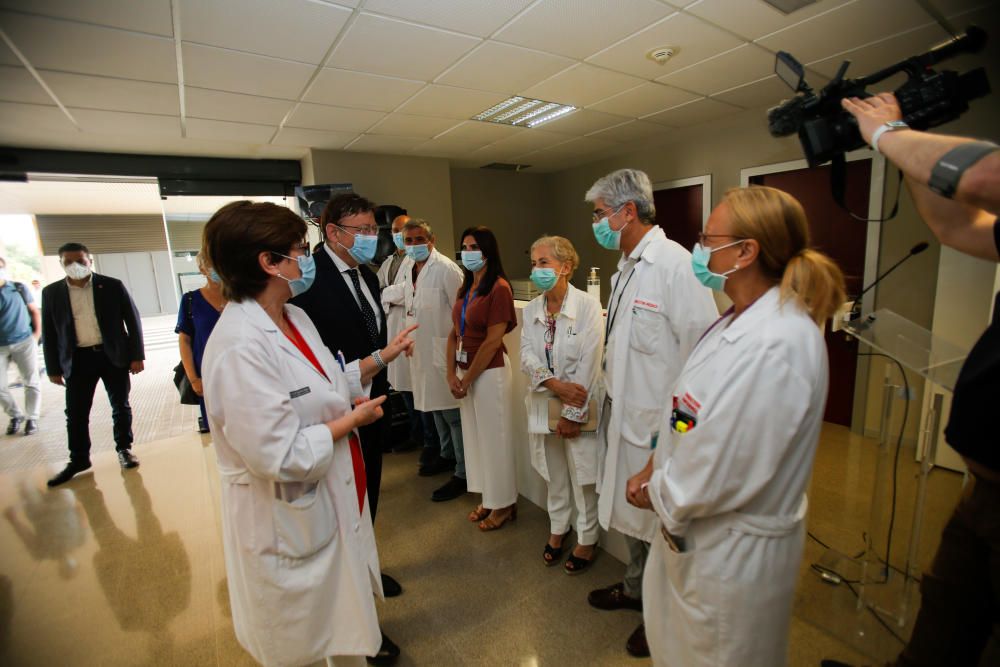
[126,459]
[453,488]
[437,466]
[30,427]
[388,653]
[203,426]
[68,472]
[390,587]
[636,644]
[14,425]
[613,597]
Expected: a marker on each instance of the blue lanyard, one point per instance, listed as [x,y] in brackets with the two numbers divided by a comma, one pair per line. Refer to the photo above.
[465,304]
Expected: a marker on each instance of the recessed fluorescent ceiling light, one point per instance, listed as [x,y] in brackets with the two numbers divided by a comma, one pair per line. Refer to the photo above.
[523,112]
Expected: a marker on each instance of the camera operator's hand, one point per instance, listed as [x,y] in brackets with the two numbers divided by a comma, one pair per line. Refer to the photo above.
[872,112]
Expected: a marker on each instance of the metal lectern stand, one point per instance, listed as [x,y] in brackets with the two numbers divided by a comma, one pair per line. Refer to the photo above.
[939,361]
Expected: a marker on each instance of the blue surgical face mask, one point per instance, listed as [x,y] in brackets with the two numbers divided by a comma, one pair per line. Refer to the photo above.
[363,250]
[397,238]
[214,276]
[307,265]
[607,237]
[700,257]
[473,260]
[418,253]
[544,279]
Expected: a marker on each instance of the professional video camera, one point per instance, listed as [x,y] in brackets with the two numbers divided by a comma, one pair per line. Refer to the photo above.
[927,99]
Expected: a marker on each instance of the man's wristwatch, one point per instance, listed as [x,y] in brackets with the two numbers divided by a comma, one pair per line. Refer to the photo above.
[890,126]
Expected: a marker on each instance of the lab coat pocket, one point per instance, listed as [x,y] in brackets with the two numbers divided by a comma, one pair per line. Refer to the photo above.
[645,334]
[638,425]
[303,524]
[695,593]
[439,353]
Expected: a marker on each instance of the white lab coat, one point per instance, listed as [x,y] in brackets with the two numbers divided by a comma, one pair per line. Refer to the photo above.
[662,312]
[395,318]
[734,487]
[576,357]
[300,557]
[430,306]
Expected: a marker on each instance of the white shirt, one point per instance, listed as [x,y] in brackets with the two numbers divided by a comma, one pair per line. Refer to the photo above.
[81,300]
[343,268]
[625,267]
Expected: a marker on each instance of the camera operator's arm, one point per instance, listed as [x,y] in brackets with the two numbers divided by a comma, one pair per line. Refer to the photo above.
[965,222]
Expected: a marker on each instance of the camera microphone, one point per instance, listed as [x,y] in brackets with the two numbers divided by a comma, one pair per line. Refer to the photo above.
[855,305]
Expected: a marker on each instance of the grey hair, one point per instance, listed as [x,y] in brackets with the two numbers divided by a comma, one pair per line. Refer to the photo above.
[561,249]
[623,186]
[419,223]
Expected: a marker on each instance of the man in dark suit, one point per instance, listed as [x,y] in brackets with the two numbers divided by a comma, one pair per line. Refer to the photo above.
[91,331]
[344,305]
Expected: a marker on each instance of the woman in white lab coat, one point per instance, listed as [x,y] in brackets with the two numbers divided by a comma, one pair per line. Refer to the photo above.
[298,541]
[561,342]
[735,451]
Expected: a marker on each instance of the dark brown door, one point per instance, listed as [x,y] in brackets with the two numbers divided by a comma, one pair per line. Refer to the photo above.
[678,212]
[841,237]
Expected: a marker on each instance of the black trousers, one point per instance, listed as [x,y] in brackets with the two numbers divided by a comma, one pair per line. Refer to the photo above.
[959,619]
[372,437]
[89,366]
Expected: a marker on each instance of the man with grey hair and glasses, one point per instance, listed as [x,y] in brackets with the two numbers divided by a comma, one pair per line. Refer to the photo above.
[655,314]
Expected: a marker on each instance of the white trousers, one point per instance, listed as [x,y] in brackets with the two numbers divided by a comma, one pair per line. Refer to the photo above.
[24,354]
[490,466]
[562,485]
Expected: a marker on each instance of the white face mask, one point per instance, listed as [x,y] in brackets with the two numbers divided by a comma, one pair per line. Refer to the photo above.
[3,274]
[77,271]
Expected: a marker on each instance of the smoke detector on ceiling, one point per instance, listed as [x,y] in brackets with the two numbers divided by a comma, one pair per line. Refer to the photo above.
[661,54]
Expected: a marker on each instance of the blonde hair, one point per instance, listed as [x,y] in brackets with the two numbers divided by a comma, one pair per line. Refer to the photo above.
[778,223]
[562,250]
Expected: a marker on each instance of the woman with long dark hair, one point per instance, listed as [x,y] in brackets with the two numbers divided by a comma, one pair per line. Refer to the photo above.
[479,375]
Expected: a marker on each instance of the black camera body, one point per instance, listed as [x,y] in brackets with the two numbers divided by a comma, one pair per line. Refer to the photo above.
[927,99]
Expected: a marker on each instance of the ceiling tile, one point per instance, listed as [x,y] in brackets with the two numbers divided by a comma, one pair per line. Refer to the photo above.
[694,40]
[152,16]
[847,27]
[221,69]
[579,28]
[504,68]
[755,19]
[406,125]
[467,137]
[635,130]
[474,17]
[198,128]
[335,119]
[581,146]
[583,122]
[450,102]
[98,92]
[219,105]
[741,65]
[18,118]
[17,85]
[386,46]
[299,30]
[293,136]
[88,49]
[868,59]
[114,122]
[364,91]
[646,99]
[375,143]
[525,142]
[767,92]
[7,56]
[582,85]
[693,113]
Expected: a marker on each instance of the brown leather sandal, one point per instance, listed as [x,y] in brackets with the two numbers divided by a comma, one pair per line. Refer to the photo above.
[492,523]
[478,514]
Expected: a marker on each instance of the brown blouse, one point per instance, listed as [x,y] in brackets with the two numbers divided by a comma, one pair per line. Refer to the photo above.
[483,312]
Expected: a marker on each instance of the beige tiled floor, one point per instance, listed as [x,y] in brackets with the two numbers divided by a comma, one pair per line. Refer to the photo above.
[123,568]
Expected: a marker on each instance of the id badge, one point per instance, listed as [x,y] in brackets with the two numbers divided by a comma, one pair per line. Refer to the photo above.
[461,356]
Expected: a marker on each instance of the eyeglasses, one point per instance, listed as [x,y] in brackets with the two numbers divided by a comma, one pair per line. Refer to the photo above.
[370,230]
[702,237]
[303,247]
[599,213]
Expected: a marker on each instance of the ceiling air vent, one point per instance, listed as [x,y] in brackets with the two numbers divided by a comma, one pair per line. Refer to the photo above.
[789,6]
[505,166]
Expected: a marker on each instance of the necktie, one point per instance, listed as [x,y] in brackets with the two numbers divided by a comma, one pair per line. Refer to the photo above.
[367,314]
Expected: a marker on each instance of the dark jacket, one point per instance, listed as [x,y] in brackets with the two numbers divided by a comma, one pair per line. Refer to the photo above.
[337,316]
[117,318]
